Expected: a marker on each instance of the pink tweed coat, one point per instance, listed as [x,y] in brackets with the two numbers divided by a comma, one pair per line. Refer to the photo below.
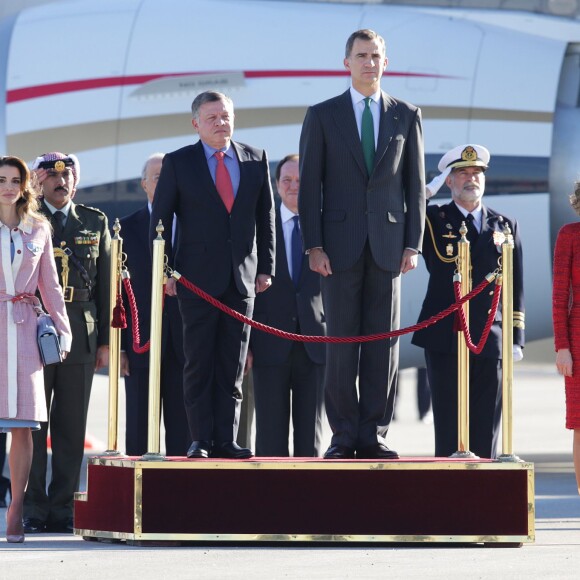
[21,376]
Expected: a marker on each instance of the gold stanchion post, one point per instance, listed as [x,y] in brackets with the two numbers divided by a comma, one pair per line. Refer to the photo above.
[153,453]
[114,343]
[464,272]
[507,304]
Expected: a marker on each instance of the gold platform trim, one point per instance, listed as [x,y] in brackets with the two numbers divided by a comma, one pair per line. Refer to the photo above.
[325,465]
[122,536]
[196,464]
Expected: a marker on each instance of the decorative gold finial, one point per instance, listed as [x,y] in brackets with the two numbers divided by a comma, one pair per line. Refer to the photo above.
[159,229]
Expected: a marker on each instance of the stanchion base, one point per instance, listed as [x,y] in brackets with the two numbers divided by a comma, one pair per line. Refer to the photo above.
[510,458]
[429,501]
[112,453]
[153,457]
[464,455]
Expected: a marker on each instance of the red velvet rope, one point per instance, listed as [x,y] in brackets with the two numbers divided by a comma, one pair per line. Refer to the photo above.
[135,317]
[333,339]
[489,323]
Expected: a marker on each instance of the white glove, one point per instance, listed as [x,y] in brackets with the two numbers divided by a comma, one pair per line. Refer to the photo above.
[436,183]
[518,353]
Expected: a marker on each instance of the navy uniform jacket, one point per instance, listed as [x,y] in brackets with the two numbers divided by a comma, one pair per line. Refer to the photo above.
[86,234]
[288,308]
[445,221]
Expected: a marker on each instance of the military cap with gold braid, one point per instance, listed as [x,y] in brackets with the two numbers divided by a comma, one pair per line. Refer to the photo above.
[460,156]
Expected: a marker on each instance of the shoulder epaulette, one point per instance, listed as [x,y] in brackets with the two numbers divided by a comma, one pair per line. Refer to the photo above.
[94,209]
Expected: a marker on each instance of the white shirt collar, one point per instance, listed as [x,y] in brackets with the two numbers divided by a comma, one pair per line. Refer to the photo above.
[358,97]
[65,210]
[286,214]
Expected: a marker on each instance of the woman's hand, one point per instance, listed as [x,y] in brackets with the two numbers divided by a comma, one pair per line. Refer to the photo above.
[564,362]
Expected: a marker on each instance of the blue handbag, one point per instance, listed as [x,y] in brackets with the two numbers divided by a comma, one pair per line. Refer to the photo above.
[48,341]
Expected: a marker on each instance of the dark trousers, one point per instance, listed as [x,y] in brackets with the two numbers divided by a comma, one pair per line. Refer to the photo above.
[67,390]
[485,399]
[295,389]
[4,481]
[215,346]
[173,408]
[361,301]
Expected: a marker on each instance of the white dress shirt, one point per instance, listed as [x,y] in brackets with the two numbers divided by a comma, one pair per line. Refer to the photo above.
[358,104]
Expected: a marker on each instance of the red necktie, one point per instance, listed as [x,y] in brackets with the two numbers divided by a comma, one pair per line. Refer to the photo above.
[223,181]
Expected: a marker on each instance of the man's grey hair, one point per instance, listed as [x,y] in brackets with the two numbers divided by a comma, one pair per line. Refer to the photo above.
[208,97]
[153,157]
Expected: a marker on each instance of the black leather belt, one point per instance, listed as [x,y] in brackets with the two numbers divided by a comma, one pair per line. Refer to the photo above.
[81,295]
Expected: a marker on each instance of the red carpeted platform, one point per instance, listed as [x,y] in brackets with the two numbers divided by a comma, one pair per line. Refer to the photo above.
[408,500]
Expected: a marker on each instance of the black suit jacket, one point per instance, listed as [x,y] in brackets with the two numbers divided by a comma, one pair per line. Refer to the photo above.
[386,208]
[446,221]
[213,244]
[135,235]
[287,307]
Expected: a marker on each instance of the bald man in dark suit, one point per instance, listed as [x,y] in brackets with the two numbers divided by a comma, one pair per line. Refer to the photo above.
[362,212]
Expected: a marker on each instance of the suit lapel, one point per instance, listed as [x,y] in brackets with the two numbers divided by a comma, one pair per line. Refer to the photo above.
[203,176]
[346,123]
[143,218]
[387,125]
[73,223]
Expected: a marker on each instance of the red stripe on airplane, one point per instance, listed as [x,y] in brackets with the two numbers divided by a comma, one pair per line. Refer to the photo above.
[35,92]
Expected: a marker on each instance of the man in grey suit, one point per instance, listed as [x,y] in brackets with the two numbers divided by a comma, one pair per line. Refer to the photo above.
[362,213]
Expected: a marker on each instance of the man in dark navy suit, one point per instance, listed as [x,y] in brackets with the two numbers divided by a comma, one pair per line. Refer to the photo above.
[463,169]
[134,366]
[288,374]
[220,191]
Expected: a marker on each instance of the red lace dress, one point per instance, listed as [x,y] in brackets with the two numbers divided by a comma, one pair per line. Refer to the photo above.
[566,312]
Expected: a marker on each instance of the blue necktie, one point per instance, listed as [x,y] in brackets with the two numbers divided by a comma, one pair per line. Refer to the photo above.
[367,136]
[296,245]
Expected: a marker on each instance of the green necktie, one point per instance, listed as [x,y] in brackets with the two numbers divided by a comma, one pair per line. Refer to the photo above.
[367,136]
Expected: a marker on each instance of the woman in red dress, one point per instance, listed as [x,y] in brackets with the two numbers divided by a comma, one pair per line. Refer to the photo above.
[566,317]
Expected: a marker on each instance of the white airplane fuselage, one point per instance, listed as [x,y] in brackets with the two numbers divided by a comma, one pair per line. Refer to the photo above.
[113,82]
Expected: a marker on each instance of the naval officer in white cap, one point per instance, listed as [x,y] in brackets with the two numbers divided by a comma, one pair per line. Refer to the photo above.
[463,170]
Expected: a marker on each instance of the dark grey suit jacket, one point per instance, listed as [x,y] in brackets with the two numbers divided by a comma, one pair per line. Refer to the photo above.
[213,244]
[387,208]
[288,308]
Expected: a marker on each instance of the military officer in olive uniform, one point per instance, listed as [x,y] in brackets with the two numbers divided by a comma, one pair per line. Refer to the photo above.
[82,247]
[463,170]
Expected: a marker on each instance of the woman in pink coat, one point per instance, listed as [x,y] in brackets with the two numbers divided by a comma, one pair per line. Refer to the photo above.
[26,265]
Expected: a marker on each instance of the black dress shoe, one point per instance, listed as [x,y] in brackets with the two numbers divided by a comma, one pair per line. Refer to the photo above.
[34,526]
[230,450]
[339,452]
[378,451]
[198,449]
[61,527]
